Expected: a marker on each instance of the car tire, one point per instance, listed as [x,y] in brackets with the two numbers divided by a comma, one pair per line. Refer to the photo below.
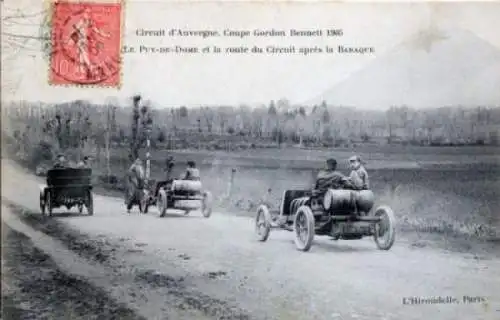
[388,228]
[48,203]
[206,204]
[90,204]
[162,202]
[304,228]
[263,223]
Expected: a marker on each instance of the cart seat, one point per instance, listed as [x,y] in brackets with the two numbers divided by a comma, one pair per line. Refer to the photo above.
[288,197]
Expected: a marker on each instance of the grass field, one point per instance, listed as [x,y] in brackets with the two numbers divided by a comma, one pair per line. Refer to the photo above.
[445,190]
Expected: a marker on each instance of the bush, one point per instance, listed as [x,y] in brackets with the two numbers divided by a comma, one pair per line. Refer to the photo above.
[42,152]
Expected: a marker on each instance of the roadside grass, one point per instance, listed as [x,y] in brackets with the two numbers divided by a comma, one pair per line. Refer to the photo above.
[33,287]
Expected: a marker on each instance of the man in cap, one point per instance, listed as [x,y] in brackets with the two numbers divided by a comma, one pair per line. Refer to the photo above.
[359,176]
[85,163]
[60,162]
[330,177]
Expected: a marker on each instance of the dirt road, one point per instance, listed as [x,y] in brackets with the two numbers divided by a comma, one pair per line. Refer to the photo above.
[189,267]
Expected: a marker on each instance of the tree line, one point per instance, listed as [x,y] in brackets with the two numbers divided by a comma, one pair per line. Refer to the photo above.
[81,125]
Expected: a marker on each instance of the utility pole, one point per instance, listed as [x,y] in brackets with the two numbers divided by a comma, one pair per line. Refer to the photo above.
[134,143]
[108,168]
[147,123]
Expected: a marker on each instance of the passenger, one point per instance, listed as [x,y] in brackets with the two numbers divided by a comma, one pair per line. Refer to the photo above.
[85,163]
[192,173]
[330,178]
[60,162]
[359,176]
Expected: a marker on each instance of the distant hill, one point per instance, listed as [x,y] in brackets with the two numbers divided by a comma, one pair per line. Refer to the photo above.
[431,69]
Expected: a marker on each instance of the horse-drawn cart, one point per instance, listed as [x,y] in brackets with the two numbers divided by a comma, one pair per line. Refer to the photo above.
[67,187]
[341,214]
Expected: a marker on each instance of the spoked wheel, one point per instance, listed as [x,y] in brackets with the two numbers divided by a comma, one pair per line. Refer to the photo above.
[42,202]
[385,229]
[48,204]
[89,204]
[263,223]
[206,204]
[42,209]
[303,226]
[162,202]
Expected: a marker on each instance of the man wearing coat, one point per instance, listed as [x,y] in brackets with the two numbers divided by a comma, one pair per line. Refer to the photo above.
[135,183]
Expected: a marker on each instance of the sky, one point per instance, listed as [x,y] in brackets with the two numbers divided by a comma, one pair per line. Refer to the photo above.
[192,80]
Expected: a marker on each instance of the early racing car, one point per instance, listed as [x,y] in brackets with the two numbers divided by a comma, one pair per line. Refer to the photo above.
[67,187]
[185,195]
[340,213]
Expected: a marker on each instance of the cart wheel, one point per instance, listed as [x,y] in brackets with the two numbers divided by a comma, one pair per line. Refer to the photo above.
[90,204]
[385,230]
[162,202]
[263,223]
[42,202]
[206,204]
[48,204]
[303,225]
[129,206]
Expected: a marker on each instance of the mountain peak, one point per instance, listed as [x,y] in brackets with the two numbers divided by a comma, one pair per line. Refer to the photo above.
[434,67]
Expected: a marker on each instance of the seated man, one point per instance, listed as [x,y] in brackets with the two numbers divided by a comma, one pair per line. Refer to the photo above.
[168,175]
[60,162]
[359,176]
[192,173]
[330,178]
[84,163]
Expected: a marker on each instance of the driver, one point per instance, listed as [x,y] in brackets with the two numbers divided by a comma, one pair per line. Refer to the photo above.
[85,163]
[169,168]
[60,162]
[330,177]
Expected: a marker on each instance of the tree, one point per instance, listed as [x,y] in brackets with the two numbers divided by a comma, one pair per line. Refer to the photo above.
[161,136]
[134,143]
[183,112]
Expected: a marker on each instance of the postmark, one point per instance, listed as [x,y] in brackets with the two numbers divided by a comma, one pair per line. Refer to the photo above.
[85,41]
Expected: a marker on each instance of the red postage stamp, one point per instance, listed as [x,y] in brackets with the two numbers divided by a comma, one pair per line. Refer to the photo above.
[86,41]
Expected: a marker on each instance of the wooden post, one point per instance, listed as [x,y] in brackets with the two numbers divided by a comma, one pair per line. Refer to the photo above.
[108,168]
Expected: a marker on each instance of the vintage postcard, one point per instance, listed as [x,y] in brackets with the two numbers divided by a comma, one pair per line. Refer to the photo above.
[294,160]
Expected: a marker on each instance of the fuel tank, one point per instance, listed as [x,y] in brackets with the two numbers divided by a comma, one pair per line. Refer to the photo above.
[346,201]
[187,185]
